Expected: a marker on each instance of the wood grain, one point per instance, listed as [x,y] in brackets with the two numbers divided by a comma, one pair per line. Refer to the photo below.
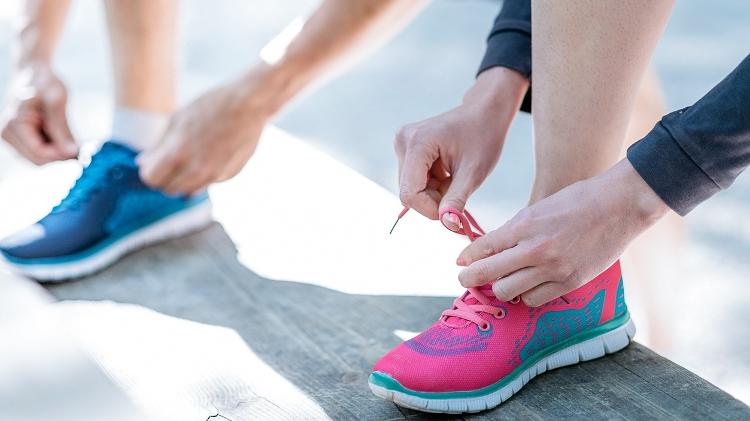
[325,342]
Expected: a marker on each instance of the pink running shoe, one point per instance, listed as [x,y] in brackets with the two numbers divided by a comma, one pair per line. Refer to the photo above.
[482,351]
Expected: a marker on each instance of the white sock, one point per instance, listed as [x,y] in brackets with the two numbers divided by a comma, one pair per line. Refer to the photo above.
[137,129]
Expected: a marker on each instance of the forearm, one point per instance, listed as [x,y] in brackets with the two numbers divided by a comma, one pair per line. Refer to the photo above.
[337,30]
[498,92]
[695,152]
[39,30]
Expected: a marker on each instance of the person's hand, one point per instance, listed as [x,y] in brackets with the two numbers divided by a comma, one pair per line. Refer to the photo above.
[563,241]
[34,120]
[444,159]
[209,140]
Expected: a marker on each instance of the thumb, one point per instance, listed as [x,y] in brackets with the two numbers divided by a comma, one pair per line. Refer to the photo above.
[454,200]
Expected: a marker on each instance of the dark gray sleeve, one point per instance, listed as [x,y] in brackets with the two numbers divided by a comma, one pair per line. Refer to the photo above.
[693,153]
[509,42]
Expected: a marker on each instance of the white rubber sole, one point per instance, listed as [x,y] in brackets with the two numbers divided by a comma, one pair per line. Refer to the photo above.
[590,349]
[173,226]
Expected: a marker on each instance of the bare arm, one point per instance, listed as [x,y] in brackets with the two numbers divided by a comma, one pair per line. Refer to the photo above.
[195,151]
[335,34]
[34,120]
[40,27]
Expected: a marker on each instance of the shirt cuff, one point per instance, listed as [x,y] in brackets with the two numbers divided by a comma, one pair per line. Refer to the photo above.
[665,166]
[510,49]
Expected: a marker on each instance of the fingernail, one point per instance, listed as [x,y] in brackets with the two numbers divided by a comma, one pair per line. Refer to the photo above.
[461,276]
[451,220]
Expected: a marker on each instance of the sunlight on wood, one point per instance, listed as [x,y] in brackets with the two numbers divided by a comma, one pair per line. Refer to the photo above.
[177,370]
[297,214]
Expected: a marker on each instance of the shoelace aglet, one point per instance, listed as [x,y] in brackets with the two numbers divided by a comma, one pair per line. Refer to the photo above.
[400,215]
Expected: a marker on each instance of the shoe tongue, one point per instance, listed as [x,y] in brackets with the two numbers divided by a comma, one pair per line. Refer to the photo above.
[112,153]
[468,298]
[113,146]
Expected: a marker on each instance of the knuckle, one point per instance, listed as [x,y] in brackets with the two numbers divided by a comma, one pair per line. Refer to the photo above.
[520,224]
[146,174]
[207,175]
[5,133]
[501,291]
[479,272]
[36,160]
[457,202]
[545,250]
[55,96]
[405,134]
[487,249]
[530,300]
[406,196]
[176,157]
[412,137]
[573,279]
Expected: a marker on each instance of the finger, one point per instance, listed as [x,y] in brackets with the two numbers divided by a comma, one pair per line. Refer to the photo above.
[188,179]
[197,184]
[455,197]
[159,167]
[490,244]
[496,266]
[55,125]
[30,143]
[413,182]
[177,181]
[236,163]
[544,293]
[10,136]
[517,283]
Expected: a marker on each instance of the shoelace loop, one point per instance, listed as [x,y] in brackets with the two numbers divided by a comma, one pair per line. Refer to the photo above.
[484,297]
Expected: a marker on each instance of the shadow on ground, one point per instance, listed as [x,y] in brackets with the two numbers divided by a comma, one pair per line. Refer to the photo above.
[325,342]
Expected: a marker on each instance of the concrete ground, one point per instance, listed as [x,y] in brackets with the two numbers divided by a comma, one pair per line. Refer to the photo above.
[422,72]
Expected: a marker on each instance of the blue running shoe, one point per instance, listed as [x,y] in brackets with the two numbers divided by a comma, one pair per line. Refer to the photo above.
[108,213]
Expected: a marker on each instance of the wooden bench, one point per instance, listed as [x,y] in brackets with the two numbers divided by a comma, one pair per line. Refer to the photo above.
[220,329]
[325,342]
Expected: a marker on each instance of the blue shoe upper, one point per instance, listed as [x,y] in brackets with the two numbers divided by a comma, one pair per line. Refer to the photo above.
[107,202]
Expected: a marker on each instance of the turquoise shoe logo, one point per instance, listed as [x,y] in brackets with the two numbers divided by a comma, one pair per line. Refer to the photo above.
[554,327]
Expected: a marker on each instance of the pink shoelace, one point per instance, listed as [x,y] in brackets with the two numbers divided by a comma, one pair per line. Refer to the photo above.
[483,296]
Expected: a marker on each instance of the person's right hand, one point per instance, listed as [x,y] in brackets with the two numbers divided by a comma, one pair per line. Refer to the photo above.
[34,120]
[444,159]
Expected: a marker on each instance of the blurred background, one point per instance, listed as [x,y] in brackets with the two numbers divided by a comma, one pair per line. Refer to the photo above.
[703,293]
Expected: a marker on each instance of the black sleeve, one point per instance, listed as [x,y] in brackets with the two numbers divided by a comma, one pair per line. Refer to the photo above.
[695,152]
[509,42]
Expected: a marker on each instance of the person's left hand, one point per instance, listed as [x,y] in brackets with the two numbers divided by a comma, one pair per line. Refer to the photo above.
[209,140]
[565,240]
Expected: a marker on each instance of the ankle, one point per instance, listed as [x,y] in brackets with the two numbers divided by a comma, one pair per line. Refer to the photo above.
[136,128]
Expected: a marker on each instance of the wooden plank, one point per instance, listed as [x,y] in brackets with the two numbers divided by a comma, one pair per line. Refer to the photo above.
[325,342]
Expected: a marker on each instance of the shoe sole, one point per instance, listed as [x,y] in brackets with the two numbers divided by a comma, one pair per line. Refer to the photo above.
[590,349]
[172,226]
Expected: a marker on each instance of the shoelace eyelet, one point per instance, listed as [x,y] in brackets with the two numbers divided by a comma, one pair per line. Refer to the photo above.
[116,173]
[515,300]
[500,314]
[484,327]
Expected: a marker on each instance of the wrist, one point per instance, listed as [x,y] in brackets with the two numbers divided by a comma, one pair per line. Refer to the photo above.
[643,206]
[499,91]
[268,88]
